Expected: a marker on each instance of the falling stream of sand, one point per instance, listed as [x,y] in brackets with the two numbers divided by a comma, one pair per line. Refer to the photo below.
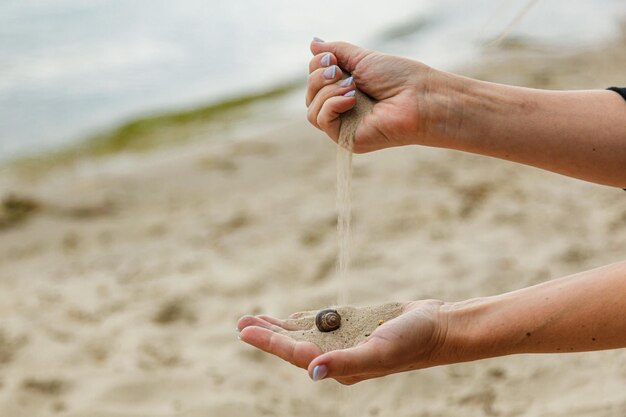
[358,323]
[344,213]
[349,123]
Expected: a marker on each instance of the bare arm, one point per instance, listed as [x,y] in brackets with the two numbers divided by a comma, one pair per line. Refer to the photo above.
[581,134]
[582,312]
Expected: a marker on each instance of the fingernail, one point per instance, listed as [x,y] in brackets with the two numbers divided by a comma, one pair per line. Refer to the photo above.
[320,372]
[346,82]
[316,39]
[325,60]
[329,73]
[350,93]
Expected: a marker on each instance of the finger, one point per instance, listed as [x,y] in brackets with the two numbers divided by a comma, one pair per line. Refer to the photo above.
[323,60]
[347,381]
[351,380]
[302,320]
[247,321]
[326,93]
[297,353]
[301,314]
[348,56]
[284,324]
[366,359]
[328,118]
[319,78]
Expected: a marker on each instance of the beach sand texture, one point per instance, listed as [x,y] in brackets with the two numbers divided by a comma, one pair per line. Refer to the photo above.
[357,323]
[122,278]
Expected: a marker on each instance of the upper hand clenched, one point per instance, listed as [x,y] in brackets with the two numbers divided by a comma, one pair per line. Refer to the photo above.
[399,115]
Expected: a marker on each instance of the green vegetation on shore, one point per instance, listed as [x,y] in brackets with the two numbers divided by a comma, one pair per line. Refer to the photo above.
[137,133]
[149,131]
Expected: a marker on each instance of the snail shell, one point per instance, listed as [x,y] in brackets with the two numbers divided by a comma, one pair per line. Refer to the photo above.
[328,320]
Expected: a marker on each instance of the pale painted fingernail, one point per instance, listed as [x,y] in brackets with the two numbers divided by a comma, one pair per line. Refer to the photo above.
[350,93]
[346,82]
[320,372]
[316,39]
[325,60]
[330,72]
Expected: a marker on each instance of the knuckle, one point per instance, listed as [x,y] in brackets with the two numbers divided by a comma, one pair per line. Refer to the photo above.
[272,343]
[318,75]
[322,120]
[347,380]
[311,116]
[316,81]
[346,367]
[342,45]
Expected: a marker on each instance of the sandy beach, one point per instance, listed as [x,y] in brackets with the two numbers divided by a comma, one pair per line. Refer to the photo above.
[122,276]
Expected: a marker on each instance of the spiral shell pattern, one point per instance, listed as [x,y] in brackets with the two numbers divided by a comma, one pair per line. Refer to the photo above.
[328,320]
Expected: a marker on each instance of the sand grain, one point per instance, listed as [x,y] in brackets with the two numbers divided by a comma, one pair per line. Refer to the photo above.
[357,323]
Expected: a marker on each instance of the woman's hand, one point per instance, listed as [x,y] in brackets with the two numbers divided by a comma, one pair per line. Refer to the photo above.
[576,133]
[581,312]
[398,118]
[412,340]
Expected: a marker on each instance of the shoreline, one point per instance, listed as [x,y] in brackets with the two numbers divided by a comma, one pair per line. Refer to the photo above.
[138,133]
[143,132]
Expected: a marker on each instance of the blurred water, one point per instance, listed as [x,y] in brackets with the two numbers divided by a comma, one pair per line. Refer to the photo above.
[71,67]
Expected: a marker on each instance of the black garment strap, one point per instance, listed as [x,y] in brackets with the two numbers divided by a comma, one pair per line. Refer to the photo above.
[622,92]
[619,90]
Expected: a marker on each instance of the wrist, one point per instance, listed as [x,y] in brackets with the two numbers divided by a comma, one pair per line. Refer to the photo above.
[475,330]
[467,114]
[444,103]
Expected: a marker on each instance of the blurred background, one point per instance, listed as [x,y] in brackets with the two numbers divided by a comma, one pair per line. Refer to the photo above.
[158,180]
[69,68]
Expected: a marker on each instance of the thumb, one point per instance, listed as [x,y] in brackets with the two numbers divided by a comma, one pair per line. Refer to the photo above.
[361,359]
[348,55]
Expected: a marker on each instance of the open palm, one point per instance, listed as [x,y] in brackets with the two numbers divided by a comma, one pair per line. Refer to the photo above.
[409,341]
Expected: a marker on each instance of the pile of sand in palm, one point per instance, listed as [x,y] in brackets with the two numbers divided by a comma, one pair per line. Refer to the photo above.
[357,323]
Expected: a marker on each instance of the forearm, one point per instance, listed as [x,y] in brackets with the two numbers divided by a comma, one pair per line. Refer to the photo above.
[580,134]
[582,312]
